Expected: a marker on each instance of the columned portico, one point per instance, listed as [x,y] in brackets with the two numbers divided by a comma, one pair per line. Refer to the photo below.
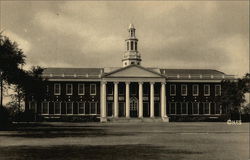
[134,93]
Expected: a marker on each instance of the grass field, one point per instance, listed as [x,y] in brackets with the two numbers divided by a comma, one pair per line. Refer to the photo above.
[126,141]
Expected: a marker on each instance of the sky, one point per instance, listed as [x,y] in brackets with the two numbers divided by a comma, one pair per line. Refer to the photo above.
[190,34]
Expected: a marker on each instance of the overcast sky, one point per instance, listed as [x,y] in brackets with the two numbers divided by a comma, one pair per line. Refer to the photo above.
[210,34]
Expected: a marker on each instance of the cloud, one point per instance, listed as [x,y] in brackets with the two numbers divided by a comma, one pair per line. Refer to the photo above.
[22,43]
[179,34]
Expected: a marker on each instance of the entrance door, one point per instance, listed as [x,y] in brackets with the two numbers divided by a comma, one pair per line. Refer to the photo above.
[133,107]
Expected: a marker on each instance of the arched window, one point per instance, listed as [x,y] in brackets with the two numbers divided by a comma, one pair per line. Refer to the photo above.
[132,45]
[136,46]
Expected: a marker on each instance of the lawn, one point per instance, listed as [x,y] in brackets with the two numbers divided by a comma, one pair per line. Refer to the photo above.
[126,141]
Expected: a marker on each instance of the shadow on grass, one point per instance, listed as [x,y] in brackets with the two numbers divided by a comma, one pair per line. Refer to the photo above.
[101,152]
[57,131]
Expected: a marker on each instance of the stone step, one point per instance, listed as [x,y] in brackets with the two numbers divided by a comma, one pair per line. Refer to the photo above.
[121,120]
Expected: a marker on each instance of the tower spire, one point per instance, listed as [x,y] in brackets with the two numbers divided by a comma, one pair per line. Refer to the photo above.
[131,56]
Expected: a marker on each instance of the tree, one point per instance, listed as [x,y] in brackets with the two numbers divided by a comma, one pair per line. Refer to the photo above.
[234,92]
[12,61]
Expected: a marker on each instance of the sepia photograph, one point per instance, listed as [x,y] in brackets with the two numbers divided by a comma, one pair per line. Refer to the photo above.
[124,80]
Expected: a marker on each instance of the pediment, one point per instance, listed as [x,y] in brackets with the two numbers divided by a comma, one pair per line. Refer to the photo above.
[134,71]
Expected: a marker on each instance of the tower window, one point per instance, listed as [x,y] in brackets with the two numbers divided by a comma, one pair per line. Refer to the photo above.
[136,46]
[127,46]
[132,45]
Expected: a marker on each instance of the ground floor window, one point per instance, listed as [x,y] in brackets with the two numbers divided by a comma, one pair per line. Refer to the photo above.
[178,108]
[184,108]
[195,107]
[172,108]
[206,108]
[121,109]
[223,109]
[45,108]
[146,111]
[57,107]
[110,109]
[93,107]
[217,108]
[32,106]
[81,108]
[69,107]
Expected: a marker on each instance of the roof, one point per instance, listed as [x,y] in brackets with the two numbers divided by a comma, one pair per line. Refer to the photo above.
[131,26]
[191,71]
[73,72]
[97,73]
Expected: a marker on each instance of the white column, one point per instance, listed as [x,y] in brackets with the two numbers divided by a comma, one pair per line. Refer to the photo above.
[163,102]
[116,99]
[103,102]
[140,100]
[152,96]
[127,100]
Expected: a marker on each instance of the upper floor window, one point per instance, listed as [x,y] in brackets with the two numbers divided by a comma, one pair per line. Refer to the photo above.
[172,90]
[207,90]
[145,90]
[69,89]
[81,89]
[217,90]
[110,90]
[132,45]
[57,89]
[127,46]
[92,89]
[195,90]
[183,90]
[121,90]
[136,46]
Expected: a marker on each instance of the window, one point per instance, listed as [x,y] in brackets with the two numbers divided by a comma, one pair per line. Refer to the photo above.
[92,89]
[47,88]
[172,108]
[217,108]
[195,108]
[172,90]
[57,109]
[81,108]
[206,90]
[69,107]
[121,109]
[145,90]
[206,108]
[45,108]
[132,62]
[183,90]
[93,109]
[127,46]
[110,90]
[178,108]
[195,90]
[121,90]
[132,45]
[32,106]
[136,46]
[184,108]
[217,90]
[69,89]
[57,89]
[81,89]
